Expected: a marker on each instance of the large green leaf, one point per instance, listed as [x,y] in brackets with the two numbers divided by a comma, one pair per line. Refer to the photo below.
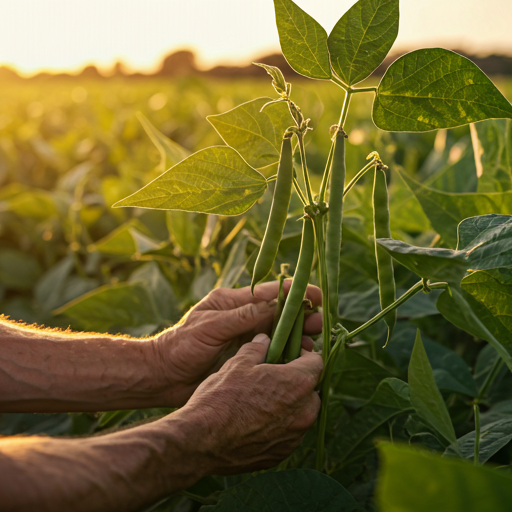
[390,399]
[445,211]
[465,312]
[493,289]
[429,262]
[293,490]
[170,152]
[493,155]
[362,38]
[425,395]
[303,41]
[418,481]
[256,135]
[435,88]
[493,437]
[214,180]
[488,241]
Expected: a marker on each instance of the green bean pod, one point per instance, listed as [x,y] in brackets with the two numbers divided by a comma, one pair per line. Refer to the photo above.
[334,222]
[294,345]
[278,213]
[295,295]
[387,288]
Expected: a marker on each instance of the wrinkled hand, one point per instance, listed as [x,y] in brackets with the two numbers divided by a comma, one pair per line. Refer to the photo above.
[250,415]
[216,327]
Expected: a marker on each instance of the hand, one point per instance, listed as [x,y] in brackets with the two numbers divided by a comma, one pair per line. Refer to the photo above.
[214,330]
[251,416]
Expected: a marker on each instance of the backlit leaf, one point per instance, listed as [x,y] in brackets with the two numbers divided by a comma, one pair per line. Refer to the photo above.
[303,40]
[214,180]
[362,38]
[435,88]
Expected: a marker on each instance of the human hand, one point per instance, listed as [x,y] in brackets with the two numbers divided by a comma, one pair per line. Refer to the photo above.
[215,328]
[250,415]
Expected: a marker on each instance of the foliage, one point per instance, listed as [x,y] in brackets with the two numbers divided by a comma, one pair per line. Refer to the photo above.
[69,152]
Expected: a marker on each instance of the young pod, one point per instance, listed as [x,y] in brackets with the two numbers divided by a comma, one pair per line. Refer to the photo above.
[295,295]
[294,345]
[387,289]
[278,213]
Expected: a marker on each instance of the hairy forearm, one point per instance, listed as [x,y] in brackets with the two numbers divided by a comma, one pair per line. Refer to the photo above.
[117,472]
[46,371]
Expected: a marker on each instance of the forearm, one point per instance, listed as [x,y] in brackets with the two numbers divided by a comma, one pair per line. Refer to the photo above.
[45,371]
[117,472]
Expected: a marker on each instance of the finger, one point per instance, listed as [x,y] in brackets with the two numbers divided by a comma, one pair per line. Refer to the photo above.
[250,317]
[313,323]
[307,343]
[313,293]
[310,363]
[255,352]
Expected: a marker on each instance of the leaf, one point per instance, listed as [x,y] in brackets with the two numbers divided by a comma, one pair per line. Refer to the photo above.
[468,314]
[256,135]
[18,270]
[493,289]
[112,307]
[445,210]
[390,399]
[186,230]
[425,396]
[362,38]
[214,180]
[170,152]
[293,490]
[429,262]
[35,204]
[303,41]
[492,155]
[434,88]
[488,239]
[48,289]
[493,437]
[446,484]
[234,266]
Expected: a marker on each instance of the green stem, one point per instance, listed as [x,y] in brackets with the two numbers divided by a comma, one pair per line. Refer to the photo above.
[476,410]
[307,183]
[357,177]
[491,376]
[327,173]
[340,83]
[404,298]
[344,109]
[296,185]
[365,89]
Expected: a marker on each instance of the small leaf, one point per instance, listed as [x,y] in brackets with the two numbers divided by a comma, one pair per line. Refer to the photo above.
[446,484]
[303,41]
[18,270]
[48,290]
[235,264]
[186,230]
[435,88]
[425,395]
[362,38]
[445,211]
[170,152]
[428,262]
[293,490]
[278,82]
[214,180]
[493,437]
[256,135]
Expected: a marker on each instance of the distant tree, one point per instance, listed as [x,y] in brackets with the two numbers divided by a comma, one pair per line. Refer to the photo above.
[90,72]
[182,62]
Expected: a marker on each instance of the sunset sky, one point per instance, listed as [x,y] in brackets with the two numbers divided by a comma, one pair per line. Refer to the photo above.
[61,35]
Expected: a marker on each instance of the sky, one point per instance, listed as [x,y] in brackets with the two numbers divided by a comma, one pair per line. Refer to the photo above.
[66,35]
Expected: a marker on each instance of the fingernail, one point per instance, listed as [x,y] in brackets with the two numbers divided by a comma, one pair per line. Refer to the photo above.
[260,338]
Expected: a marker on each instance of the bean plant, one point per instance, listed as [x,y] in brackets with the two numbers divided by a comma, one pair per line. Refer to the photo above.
[266,146]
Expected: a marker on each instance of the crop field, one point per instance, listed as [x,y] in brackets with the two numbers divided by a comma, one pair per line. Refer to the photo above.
[70,149]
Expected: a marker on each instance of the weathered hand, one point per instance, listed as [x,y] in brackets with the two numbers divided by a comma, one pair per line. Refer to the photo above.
[214,330]
[250,415]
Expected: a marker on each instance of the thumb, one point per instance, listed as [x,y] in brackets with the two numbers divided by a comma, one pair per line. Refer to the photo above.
[254,352]
[252,316]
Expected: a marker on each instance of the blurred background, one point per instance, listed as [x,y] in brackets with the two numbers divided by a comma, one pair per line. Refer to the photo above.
[74,74]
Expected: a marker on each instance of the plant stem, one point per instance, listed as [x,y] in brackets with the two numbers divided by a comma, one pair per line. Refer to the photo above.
[493,373]
[327,174]
[357,177]
[344,109]
[340,83]
[476,410]
[365,89]
[296,184]
[404,298]
[307,183]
